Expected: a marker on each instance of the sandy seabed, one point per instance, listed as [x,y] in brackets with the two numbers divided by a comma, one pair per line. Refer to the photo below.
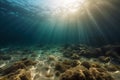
[53,63]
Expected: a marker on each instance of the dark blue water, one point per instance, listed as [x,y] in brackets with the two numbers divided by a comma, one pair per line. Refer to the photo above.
[31,22]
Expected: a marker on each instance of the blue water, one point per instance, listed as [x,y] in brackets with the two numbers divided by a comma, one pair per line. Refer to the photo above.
[32,22]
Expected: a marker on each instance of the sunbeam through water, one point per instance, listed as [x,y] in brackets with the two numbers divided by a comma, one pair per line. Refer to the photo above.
[59,39]
[82,21]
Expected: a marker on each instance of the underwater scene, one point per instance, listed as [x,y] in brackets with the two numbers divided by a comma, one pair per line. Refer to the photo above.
[59,39]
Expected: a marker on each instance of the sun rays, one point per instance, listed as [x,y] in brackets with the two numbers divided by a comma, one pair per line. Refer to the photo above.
[66,20]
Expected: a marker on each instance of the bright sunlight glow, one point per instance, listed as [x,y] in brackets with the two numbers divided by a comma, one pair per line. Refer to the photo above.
[67,6]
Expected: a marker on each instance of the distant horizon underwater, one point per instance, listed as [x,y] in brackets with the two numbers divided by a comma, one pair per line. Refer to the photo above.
[59,39]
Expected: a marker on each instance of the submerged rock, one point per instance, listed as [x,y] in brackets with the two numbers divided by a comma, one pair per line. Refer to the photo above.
[96,65]
[75,51]
[18,71]
[100,74]
[75,56]
[86,64]
[73,74]
[64,65]
[82,73]
[20,74]
[4,57]
[112,68]
[51,58]
[104,59]
[61,67]
[87,71]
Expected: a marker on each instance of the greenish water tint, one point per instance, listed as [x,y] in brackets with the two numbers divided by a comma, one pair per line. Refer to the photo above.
[30,22]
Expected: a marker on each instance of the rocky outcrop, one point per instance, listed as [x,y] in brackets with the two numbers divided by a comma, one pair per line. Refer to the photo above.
[75,70]
[66,64]
[18,71]
[82,73]
[104,54]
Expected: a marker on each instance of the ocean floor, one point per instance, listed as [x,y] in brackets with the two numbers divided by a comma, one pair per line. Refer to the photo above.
[68,62]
